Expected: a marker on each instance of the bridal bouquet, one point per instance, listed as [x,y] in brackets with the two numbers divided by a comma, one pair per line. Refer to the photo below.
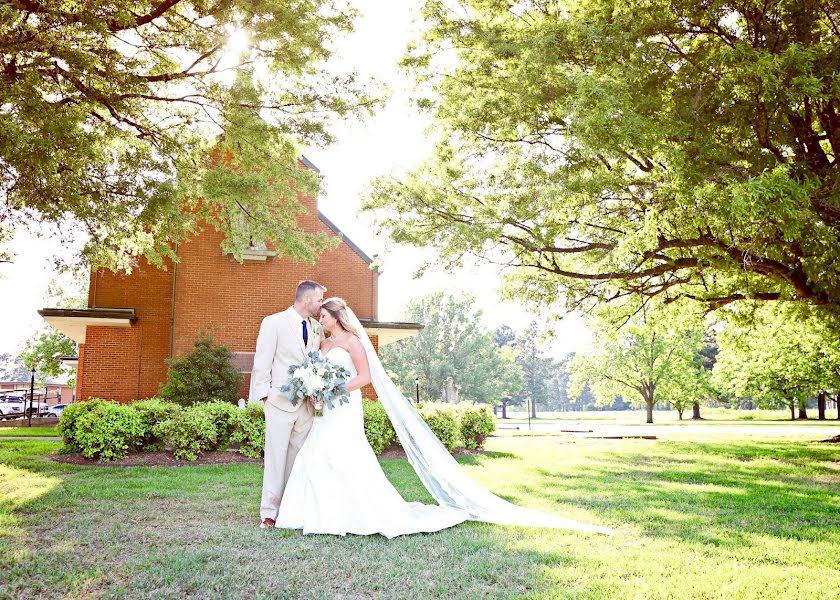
[320,379]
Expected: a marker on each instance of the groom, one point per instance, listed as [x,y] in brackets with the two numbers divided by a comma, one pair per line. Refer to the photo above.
[285,339]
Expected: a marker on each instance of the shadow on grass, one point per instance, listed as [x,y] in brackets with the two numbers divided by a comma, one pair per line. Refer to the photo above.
[153,532]
[143,532]
[483,457]
[710,493]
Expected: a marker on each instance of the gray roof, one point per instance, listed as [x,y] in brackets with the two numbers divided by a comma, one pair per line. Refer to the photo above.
[346,239]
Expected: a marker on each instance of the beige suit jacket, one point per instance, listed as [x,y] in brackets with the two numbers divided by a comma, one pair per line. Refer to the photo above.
[279,346]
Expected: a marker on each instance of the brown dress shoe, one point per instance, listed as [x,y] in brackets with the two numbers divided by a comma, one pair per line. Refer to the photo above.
[267,524]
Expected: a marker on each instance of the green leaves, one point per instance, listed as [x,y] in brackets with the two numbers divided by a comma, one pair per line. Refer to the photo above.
[784,355]
[106,114]
[453,343]
[43,352]
[653,358]
[203,375]
[610,150]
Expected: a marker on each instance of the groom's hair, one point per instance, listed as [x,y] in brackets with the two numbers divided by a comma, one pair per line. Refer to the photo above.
[304,287]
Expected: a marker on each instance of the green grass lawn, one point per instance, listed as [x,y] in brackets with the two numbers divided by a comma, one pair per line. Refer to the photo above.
[28,432]
[721,518]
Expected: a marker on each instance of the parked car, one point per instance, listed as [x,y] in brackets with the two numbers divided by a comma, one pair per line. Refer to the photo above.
[55,411]
[38,408]
[11,406]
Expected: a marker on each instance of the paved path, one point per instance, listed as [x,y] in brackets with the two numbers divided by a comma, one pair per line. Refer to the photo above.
[671,430]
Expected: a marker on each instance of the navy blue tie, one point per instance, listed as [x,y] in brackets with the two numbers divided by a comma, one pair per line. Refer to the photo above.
[305,333]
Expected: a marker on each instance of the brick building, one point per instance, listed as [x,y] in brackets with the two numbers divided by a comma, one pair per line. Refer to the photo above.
[135,321]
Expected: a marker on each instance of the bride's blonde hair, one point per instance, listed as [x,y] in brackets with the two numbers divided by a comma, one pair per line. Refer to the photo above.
[338,309]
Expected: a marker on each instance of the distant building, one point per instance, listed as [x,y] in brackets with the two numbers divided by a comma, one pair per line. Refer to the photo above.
[50,391]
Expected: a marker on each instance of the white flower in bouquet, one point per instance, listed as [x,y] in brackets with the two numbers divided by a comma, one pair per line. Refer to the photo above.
[313,383]
[319,380]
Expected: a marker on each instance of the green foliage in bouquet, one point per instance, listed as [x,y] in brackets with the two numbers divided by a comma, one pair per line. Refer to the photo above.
[203,375]
[317,377]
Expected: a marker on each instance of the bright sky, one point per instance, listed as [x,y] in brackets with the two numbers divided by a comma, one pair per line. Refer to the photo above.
[388,143]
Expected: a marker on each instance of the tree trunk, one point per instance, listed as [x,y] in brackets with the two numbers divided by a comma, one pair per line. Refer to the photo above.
[647,390]
[680,412]
[792,406]
[837,403]
[803,413]
[696,411]
[821,406]
[504,409]
[533,409]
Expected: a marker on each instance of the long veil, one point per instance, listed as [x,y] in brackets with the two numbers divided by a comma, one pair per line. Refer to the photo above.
[446,481]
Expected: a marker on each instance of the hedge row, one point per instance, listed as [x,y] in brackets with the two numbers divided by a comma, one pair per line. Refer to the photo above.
[460,425]
[107,431]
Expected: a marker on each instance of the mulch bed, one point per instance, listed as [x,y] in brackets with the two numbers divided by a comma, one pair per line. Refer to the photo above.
[833,440]
[157,459]
[220,457]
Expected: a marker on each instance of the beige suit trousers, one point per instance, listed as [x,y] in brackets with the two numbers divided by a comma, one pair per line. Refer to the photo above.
[285,433]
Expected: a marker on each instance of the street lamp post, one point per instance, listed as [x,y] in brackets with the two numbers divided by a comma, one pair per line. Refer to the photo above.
[417,389]
[528,403]
[31,395]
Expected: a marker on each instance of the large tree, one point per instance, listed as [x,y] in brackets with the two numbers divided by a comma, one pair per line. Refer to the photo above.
[782,357]
[453,343]
[107,110]
[45,348]
[537,369]
[12,368]
[651,359]
[610,149]
[43,352]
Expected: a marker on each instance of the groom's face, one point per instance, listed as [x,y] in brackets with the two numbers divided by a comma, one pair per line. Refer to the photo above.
[314,300]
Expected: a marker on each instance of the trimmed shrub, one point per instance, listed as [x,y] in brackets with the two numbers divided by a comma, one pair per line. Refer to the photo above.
[108,431]
[226,419]
[251,430]
[442,419]
[476,422]
[189,432]
[153,411]
[204,375]
[378,429]
[67,423]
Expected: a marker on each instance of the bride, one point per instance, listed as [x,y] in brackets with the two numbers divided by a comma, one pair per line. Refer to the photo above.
[337,486]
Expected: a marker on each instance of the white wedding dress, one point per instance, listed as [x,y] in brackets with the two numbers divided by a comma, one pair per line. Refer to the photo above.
[337,486]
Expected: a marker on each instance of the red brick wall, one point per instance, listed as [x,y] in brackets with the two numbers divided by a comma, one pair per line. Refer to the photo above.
[368,391]
[212,291]
[127,363]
